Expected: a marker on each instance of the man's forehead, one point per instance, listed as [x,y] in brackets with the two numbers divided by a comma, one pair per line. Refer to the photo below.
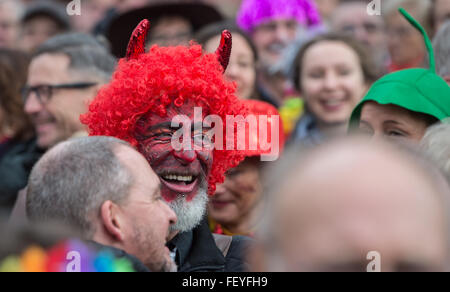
[135,163]
[49,69]
[188,109]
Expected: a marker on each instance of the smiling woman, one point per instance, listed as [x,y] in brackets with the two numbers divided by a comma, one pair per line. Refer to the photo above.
[332,73]
[243,59]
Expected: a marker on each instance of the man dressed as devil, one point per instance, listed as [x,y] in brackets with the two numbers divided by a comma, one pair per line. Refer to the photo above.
[147,91]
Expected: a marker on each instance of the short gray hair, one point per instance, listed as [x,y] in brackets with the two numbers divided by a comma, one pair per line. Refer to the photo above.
[87,54]
[72,180]
[436,144]
[441,45]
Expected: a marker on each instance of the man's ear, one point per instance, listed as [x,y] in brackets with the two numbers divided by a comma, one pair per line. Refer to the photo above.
[111,220]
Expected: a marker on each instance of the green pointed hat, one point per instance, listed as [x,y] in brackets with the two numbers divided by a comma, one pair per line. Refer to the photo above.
[417,90]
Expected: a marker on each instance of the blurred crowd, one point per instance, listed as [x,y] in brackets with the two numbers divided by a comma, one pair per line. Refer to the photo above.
[363,98]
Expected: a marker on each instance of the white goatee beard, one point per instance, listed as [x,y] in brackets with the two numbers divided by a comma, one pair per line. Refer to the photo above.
[189,214]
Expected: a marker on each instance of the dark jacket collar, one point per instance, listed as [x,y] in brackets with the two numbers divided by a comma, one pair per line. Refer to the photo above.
[197,250]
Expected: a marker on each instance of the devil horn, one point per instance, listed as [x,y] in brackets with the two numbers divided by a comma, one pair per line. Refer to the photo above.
[136,46]
[223,52]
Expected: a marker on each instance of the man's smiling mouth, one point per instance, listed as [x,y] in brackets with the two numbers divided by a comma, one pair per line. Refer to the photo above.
[180,183]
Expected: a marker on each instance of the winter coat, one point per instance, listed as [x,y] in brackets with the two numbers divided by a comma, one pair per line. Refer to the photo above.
[196,251]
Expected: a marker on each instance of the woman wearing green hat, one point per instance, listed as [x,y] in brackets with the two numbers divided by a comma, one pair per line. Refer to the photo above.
[405,103]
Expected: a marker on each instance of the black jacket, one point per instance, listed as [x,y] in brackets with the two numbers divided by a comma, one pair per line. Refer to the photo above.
[16,162]
[197,252]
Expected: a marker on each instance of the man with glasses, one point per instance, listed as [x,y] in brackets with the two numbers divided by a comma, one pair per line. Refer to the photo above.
[65,73]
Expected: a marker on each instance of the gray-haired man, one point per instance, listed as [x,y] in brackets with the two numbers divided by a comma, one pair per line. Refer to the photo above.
[65,73]
[105,189]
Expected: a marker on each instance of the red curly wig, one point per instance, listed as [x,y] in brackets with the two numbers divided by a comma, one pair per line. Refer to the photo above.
[150,82]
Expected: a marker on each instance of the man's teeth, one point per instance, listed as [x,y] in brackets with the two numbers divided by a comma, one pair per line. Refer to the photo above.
[178,178]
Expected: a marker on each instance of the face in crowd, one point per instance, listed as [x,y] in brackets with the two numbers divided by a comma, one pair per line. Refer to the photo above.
[242,67]
[237,198]
[56,96]
[271,38]
[352,18]
[385,212]
[140,224]
[332,81]
[117,204]
[393,122]
[36,31]
[405,43]
[183,173]
[9,25]
[171,31]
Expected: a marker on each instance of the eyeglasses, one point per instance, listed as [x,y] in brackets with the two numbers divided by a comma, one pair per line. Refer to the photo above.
[45,92]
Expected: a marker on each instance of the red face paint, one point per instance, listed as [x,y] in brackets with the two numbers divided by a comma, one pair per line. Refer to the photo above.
[182,172]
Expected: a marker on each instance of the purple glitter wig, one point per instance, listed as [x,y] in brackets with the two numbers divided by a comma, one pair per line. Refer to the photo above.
[254,12]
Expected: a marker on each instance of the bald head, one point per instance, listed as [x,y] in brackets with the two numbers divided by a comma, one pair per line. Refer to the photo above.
[350,198]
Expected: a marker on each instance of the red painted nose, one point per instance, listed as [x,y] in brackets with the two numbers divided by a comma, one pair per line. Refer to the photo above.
[185,156]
